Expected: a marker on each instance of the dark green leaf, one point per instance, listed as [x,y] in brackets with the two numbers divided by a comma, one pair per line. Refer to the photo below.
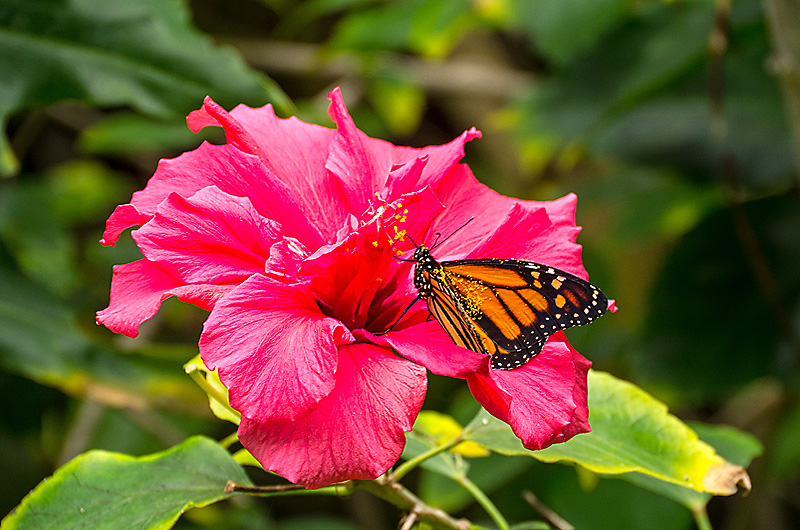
[144,54]
[561,30]
[710,327]
[102,490]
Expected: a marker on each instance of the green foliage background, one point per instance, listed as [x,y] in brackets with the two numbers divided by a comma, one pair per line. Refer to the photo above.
[668,119]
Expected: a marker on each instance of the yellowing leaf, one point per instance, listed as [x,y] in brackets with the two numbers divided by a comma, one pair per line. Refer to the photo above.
[631,432]
[441,428]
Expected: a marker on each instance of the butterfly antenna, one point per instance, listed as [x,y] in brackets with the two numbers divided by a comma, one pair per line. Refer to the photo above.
[390,328]
[437,243]
[405,259]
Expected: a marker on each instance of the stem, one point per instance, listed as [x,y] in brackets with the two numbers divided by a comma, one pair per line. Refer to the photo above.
[229,440]
[484,501]
[212,391]
[408,465]
[341,489]
[552,517]
[701,518]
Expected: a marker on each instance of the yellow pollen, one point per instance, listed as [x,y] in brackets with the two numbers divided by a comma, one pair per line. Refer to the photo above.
[375,244]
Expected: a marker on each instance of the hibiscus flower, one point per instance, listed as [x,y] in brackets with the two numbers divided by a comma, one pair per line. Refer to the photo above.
[289,235]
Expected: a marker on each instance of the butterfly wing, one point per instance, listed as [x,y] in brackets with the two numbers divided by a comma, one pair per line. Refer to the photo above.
[508,308]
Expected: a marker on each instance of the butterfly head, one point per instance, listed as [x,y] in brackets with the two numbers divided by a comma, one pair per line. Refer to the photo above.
[422,254]
[425,265]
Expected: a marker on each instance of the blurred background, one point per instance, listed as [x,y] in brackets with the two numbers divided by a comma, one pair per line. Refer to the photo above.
[676,123]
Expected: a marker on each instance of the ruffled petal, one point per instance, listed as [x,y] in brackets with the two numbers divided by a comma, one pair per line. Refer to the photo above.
[212,113]
[292,150]
[465,198]
[233,172]
[548,398]
[440,159]
[362,164]
[356,432]
[275,350]
[123,217]
[211,237]
[488,394]
[137,290]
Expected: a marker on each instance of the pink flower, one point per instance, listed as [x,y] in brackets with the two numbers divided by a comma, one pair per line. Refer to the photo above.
[288,235]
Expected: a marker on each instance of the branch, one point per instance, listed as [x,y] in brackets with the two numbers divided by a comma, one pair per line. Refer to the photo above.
[394,493]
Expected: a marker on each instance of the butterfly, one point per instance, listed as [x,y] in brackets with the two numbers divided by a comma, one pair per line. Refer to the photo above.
[505,308]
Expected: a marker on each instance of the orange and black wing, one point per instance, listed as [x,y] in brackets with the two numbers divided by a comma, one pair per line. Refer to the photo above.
[508,308]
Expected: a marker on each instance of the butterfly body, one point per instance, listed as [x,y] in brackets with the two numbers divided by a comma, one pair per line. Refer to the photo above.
[503,307]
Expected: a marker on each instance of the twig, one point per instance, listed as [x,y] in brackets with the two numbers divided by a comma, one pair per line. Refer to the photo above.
[83,427]
[233,487]
[396,494]
[409,520]
[552,517]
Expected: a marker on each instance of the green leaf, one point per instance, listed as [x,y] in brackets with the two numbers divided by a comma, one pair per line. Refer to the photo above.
[561,30]
[131,133]
[209,381]
[629,65]
[143,54]
[428,27]
[448,464]
[439,429]
[631,431]
[104,490]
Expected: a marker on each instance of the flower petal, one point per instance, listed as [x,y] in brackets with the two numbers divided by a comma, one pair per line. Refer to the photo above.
[211,113]
[137,290]
[362,164]
[292,150]
[428,344]
[275,350]
[211,237]
[356,432]
[548,399]
[123,217]
[528,233]
[233,172]
[440,159]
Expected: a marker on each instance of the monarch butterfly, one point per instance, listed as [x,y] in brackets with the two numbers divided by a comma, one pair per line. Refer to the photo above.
[505,308]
